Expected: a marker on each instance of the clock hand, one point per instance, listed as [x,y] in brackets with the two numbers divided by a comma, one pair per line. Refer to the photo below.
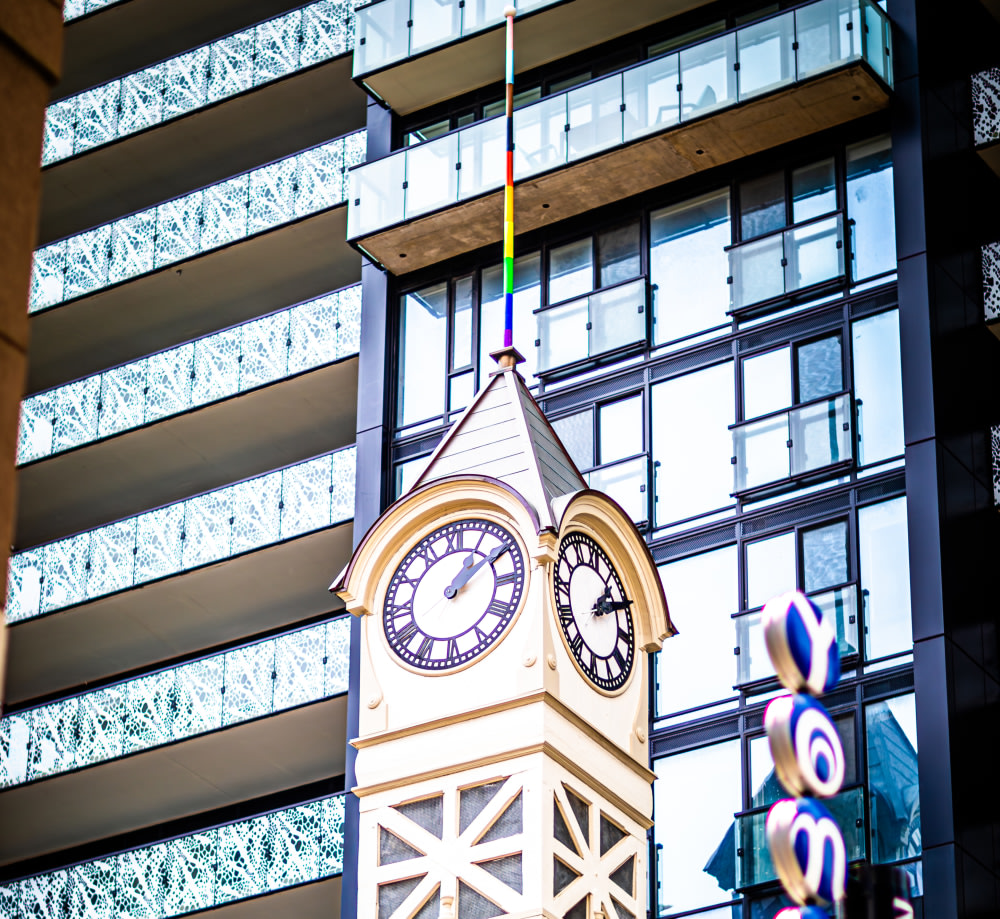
[605,604]
[469,569]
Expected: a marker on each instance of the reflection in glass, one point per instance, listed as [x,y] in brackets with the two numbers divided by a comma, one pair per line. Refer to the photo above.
[618,257]
[824,556]
[885,578]
[878,387]
[771,568]
[692,444]
[820,368]
[689,266]
[621,429]
[461,335]
[814,190]
[702,592]
[422,345]
[767,383]
[571,270]
[696,831]
[707,75]
[767,58]
[762,205]
[893,789]
[870,206]
[625,483]
[577,435]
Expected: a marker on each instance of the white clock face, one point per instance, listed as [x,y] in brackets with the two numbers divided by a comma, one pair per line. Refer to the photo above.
[594,613]
[453,595]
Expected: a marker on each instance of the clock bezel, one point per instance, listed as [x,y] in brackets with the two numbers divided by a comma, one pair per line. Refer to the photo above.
[481,515]
[634,639]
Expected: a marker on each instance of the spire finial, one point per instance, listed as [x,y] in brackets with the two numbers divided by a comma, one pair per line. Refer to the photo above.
[508,191]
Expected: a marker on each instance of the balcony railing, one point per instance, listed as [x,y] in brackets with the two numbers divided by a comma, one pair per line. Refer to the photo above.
[792,443]
[785,263]
[986,107]
[197,78]
[753,858]
[625,482]
[392,30]
[642,100]
[216,525]
[753,663]
[606,321]
[215,367]
[159,708]
[250,203]
[74,9]
[190,873]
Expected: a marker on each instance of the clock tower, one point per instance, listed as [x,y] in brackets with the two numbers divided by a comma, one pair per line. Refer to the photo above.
[503,764]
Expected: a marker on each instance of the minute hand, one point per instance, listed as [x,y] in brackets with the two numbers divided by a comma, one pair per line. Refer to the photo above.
[462,578]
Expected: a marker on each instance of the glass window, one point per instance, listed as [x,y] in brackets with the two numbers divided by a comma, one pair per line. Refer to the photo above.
[577,435]
[762,205]
[689,266]
[618,254]
[423,345]
[702,594]
[819,367]
[408,472]
[870,205]
[893,790]
[692,444]
[770,568]
[767,383]
[878,387]
[885,578]
[621,429]
[571,270]
[461,350]
[527,298]
[824,556]
[814,190]
[695,831]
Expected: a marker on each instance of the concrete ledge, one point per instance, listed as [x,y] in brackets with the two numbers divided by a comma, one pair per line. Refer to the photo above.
[573,189]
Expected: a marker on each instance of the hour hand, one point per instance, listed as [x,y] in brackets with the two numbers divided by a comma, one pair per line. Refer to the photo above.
[470,567]
[606,605]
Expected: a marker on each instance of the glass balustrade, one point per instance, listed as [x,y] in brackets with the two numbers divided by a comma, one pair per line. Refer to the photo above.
[753,858]
[625,482]
[644,99]
[205,695]
[209,868]
[74,9]
[250,203]
[215,367]
[197,78]
[789,444]
[216,525]
[753,663]
[991,282]
[786,262]
[604,321]
[392,30]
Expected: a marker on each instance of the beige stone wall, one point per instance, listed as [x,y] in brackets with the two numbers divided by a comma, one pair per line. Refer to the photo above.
[30,61]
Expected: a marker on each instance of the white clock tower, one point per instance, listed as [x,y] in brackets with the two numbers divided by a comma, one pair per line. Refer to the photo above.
[502,759]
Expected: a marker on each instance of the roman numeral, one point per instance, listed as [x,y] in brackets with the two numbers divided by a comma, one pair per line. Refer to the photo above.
[566,616]
[404,634]
[619,660]
[424,650]
[562,593]
[576,644]
[506,579]
[624,636]
[452,649]
[498,608]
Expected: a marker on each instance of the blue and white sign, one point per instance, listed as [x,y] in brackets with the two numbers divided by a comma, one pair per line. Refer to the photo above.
[801,643]
[808,851]
[805,746]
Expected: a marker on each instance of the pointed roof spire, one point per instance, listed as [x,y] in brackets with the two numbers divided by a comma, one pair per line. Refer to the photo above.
[503,434]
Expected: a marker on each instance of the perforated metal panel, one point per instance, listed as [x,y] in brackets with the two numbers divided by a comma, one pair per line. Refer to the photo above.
[471,802]
[611,834]
[473,905]
[392,849]
[581,810]
[391,895]
[507,870]
[428,814]
[509,823]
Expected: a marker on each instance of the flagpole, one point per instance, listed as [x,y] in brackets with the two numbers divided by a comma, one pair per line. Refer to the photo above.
[508,190]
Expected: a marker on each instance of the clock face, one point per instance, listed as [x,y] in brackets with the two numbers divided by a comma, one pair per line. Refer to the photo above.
[594,612]
[453,595]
